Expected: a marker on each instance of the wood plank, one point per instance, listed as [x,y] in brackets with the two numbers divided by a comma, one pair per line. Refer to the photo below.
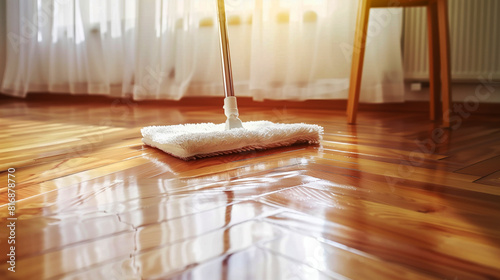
[482,168]
[492,179]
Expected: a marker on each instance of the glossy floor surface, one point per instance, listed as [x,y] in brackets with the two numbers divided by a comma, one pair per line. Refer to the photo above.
[393,197]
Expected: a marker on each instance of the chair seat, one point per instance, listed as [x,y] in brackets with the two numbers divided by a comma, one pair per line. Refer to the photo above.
[399,3]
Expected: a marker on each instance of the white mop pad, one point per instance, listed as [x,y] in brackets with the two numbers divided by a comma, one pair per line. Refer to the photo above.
[192,141]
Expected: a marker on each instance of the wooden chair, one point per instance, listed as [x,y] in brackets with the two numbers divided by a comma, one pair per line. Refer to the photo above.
[439,54]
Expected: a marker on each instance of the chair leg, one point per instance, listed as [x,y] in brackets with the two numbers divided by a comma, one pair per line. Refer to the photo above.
[434,61]
[444,45]
[358,57]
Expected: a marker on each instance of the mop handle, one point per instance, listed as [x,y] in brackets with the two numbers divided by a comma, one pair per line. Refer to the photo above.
[224,49]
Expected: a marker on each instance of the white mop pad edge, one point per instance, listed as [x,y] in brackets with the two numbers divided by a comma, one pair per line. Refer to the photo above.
[191,141]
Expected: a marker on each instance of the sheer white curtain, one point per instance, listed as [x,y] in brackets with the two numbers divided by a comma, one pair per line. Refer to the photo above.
[168,49]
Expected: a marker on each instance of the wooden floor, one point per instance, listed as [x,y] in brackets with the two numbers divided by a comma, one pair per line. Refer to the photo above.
[393,197]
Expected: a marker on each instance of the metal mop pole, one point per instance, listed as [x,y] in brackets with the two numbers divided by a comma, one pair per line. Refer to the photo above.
[224,50]
[230,105]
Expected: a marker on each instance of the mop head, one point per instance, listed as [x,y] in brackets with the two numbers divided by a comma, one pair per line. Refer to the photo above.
[191,141]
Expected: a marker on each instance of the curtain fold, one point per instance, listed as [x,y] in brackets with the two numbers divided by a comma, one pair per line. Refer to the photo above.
[168,49]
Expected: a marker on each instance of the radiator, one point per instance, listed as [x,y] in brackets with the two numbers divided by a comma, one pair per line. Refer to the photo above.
[474,40]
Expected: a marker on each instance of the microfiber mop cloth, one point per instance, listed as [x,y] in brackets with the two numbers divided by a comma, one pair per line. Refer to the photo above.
[191,141]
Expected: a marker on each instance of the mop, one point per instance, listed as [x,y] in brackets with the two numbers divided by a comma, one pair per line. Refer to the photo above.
[192,141]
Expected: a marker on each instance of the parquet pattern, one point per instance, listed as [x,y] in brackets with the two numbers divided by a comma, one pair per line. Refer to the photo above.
[394,197]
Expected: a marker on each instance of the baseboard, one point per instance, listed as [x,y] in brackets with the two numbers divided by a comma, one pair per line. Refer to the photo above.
[409,106]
